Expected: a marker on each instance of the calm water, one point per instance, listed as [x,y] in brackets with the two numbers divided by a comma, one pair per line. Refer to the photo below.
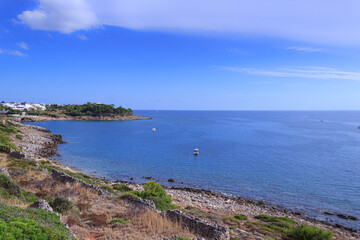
[289,158]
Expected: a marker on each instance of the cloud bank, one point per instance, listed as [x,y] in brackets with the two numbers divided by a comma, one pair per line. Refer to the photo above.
[321,21]
[300,72]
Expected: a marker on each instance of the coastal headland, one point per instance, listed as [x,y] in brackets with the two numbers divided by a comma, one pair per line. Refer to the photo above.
[102,209]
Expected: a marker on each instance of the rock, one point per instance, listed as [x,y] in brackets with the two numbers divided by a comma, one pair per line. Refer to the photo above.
[64,178]
[3,171]
[341,215]
[16,154]
[151,178]
[171,180]
[139,202]
[199,226]
[42,204]
[132,178]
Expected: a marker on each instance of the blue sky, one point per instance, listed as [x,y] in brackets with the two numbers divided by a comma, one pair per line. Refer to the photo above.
[206,55]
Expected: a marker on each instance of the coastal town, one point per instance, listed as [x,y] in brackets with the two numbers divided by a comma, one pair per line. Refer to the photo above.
[24,106]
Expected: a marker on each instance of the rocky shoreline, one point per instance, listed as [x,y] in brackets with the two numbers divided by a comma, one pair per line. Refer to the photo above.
[40,143]
[30,118]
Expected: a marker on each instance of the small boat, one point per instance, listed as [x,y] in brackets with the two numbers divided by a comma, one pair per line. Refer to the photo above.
[154,129]
[196,151]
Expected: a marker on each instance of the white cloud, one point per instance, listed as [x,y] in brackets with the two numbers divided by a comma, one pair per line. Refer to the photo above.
[321,21]
[304,49]
[12,52]
[23,45]
[15,53]
[65,16]
[300,72]
[82,37]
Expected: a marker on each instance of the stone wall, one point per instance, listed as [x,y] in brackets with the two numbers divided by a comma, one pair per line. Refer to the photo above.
[199,226]
[64,178]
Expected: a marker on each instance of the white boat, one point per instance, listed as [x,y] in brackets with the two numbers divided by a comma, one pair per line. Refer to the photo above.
[196,151]
[154,129]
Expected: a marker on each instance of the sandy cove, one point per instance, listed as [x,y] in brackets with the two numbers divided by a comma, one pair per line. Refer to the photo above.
[39,143]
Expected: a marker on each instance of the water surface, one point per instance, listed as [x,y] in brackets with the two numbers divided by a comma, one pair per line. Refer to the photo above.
[304,160]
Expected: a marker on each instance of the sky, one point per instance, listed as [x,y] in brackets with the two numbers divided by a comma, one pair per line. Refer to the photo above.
[182,55]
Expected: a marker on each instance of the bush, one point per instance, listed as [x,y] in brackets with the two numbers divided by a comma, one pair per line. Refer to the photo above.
[240,217]
[305,232]
[49,223]
[61,204]
[4,149]
[19,136]
[157,194]
[21,229]
[118,220]
[121,188]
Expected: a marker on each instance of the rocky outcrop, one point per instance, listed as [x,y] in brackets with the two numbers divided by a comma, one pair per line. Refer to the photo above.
[65,178]
[3,171]
[38,141]
[199,226]
[16,154]
[139,202]
[42,204]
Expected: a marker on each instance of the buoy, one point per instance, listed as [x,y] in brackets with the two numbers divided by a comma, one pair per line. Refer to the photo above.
[154,129]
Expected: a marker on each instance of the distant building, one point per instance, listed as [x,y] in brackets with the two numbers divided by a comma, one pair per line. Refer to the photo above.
[23,106]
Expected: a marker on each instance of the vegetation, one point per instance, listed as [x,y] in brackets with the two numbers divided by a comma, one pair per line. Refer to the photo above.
[61,204]
[121,188]
[89,109]
[157,194]
[6,128]
[182,238]
[118,220]
[284,227]
[30,223]
[9,189]
[108,188]
[305,232]
[240,217]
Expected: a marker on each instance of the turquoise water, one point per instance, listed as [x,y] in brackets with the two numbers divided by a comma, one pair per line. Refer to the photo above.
[308,161]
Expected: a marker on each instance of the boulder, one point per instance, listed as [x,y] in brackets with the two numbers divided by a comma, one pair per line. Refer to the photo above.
[171,180]
[16,154]
[42,204]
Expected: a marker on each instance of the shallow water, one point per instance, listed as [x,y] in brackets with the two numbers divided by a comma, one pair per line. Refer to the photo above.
[290,158]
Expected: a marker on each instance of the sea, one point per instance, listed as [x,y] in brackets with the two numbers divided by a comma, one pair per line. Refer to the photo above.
[305,161]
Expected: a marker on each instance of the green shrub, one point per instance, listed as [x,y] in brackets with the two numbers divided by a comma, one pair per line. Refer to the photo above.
[240,217]
[118,220]
[21,229]
[61,204]
[182,238]
[157,194]
[305,232]
[4,148]
[121,188]
[49,223]
[19,136]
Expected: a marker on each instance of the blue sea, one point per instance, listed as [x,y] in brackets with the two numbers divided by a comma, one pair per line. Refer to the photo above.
[307,161]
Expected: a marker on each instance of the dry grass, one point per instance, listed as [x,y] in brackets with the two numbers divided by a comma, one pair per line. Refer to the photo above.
[91,215]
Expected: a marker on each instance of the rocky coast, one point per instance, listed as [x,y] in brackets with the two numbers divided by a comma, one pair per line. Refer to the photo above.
[216,210]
